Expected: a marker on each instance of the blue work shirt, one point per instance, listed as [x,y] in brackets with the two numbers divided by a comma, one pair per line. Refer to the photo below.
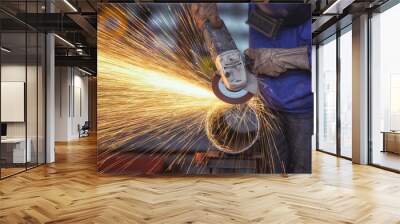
[291,91]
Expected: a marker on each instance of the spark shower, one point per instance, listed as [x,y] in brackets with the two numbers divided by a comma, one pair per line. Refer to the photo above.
[157,113]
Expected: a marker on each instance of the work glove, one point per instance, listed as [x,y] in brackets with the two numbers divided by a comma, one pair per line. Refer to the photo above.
[275,61]
[203,12]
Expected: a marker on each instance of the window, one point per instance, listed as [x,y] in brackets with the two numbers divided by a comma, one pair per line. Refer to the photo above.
[346,93]
[385,89]
[327,96]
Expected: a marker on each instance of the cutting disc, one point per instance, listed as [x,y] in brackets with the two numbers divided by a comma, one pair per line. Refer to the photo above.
[229,96]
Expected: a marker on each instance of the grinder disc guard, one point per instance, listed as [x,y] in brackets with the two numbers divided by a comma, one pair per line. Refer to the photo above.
[228,96]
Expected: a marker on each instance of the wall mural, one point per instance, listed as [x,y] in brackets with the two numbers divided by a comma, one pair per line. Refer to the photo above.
[179,93]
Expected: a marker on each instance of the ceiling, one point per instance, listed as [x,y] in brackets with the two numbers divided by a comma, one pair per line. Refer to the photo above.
[72,20]
[76,22]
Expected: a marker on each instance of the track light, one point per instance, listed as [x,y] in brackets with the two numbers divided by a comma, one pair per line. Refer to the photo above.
[5,50]
[65,41]
[84,71]
[337,7]
[70,5]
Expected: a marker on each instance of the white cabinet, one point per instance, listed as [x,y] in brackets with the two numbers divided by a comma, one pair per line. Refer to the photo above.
[19,155]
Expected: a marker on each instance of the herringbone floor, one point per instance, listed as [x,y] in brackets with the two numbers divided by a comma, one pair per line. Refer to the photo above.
[71,191]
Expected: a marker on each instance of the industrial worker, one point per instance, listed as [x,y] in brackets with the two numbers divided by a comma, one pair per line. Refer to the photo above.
[282,63]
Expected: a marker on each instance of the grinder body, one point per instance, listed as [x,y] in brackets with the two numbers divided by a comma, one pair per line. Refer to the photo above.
[233,83]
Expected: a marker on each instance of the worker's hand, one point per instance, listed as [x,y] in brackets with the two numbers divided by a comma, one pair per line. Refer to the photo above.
[203,12]
[275,61]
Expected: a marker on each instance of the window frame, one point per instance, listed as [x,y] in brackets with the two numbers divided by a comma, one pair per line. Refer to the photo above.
[381,9]
[334,37]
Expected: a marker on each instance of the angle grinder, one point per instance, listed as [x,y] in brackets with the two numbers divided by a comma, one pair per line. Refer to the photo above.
[232,83]
[236,128]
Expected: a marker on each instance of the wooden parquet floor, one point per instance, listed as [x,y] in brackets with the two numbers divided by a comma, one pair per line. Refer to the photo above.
[71,191]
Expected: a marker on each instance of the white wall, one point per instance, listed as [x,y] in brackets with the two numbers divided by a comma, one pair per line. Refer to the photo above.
[62,82]
[12,73]
[81,89]
[16,73]
[71,102]
[13,100]
[33,127]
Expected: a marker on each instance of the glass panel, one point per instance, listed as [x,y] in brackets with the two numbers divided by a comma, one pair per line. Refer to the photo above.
[32,90]
[13,87]
[327,97]
[346,94]
[385,84]
[22,89]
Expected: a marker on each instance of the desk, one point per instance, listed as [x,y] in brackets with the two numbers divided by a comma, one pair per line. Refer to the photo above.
[391,141]
[15,148]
